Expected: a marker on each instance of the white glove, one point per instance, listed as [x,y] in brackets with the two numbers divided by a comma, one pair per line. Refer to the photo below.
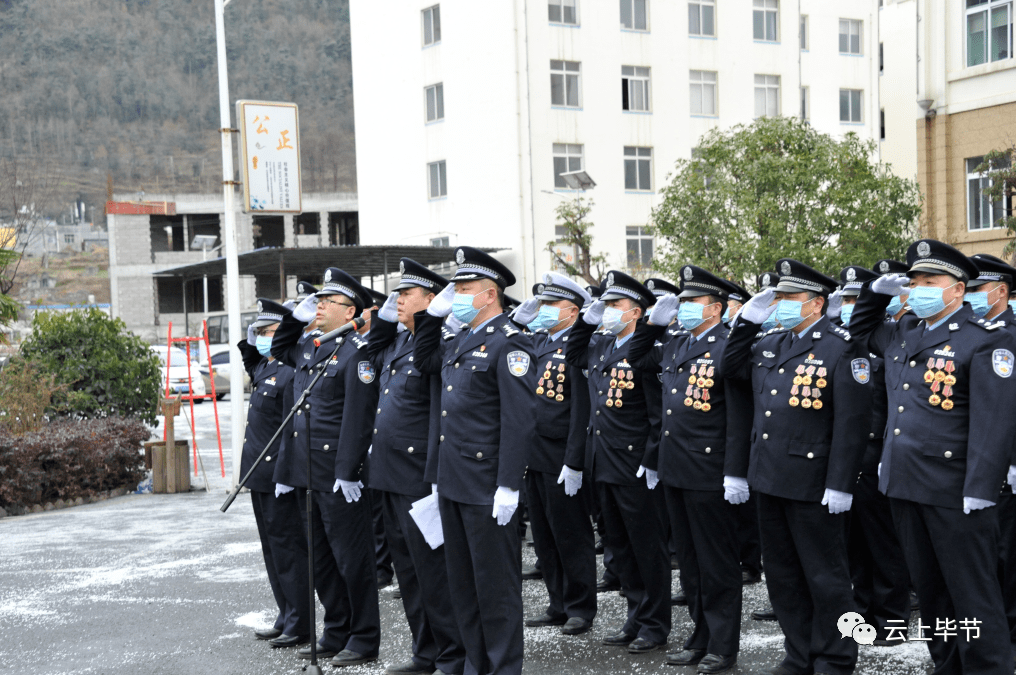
[735,490]
[306,311]
[594,314]
[442,304]
[350,489]
[879,471]
[290,305]
[835,304]
[401,329]
[838,502]
[891,284]
[252,338]
[369,448]
[572,480]
[453,323]
[433,488]
[758,309]
[390,310]
[506,501]
[526,312]
[1011,478]
[664,311]
[975,504]
[652,478]
[281,489]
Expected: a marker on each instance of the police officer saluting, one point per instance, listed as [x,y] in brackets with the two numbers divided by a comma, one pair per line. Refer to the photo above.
[947,449]
[692,463]
[812,396]
[337,435]
[278,517]
[398,462]
[625,448]
[485,432]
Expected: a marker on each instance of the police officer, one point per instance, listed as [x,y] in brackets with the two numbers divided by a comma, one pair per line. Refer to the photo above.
[735,301]
[691,465]
[398,461]
[485,430]
[812,410]
[898,305]
[625,449]
[277,518]
[947,449]
[562,531]
[334,428]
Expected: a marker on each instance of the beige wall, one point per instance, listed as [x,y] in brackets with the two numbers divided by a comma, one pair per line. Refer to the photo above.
[943,145]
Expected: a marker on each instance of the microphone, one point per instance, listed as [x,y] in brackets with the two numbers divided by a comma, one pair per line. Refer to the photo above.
[355,324]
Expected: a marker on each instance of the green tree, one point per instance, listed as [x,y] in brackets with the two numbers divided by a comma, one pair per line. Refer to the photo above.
[780,189]
[999,168]
[107,369]
[572,250]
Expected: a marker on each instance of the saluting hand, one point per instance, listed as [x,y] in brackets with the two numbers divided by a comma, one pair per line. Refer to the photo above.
[594,314]
[306,311]
[758,309]
[526,312]
[442,304]
[664,310]
[891,284]
[835,305]
[390,310]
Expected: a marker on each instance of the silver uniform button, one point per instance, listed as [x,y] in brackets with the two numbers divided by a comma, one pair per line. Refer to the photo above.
[597,432]
[947,454]
[871,435]
[900,409]
[444,413]
[811,455]
[375,432]
[442,437]
[299,412]
[773,392]
[379,411]
[629,447]
[913,363]
[906,387]
[896,432]
[474,367]
[600,393]
[268,458]
[668,411]
[597,412]
[765,437]
[409,449]
[680,370]
[393,371]
[479,455]
[296,433]
[456,365]
[326,447]
[449,387]
[781,371]
[708,450]
[769,413]
[409,372]
[666,433]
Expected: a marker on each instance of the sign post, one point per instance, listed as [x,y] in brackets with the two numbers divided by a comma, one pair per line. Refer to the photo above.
[270,156]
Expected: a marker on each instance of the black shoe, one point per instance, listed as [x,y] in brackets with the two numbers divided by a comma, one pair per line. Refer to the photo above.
[674,565]
[685,657]
[383,581]
[530,544]
[284,641]
[350,658]
[397,594]
[576,626]
[748,577]
[603,586]
[879,642]
[679,598]
[767,614]
[642,645]
[410,667]
[620,639]
[531,573]
[267,634]
[714,663]
[775,670]
[599,547]
[322,653]
[546,620]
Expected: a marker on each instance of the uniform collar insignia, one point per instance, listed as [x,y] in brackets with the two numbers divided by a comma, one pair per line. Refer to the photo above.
[490,329]
[816,335]
[711,338]
[954,326]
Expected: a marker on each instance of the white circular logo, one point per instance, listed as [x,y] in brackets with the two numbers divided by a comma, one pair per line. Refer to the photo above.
[650,284]
[688,274]
[539,289]
[460,257]
[260,309]
[402,267]
[328,275]
[924,249]
[765,279]
[884,267]
[851,274]
[785,267]
[610,279]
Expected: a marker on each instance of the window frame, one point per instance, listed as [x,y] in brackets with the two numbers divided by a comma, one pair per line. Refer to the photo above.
[803,37]
[987,8]
[643,167]
[442,179]
[631,5]
[640,238]
[438,88]
[565,73]
[851,24]
[702,83]
[766,7]
[561,4]
[566,151]
[767,86]
[850,106]
[983,180]
[631,84]
[698,6]
[805,103]
[432,11]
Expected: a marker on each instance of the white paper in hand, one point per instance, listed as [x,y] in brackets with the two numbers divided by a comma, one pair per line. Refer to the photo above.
[427,517]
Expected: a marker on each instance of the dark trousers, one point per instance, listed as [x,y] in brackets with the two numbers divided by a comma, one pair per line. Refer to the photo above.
[284,545]
[705,531]
[423,580]
[382,555]
[484,562]
[344,572]
[609,568]
[747,534]
[953,561]
[808,582]
[1007,556]
[637,537]
[563,539]
[877,566]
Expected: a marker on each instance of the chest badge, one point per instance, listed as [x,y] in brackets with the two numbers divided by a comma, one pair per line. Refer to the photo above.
[941,380]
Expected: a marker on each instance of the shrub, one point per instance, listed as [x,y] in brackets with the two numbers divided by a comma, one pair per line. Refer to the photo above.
[25,394]
[66,459]
[107,369]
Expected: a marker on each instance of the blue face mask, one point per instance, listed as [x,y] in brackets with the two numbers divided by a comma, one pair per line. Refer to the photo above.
[895,305]
[926,301]
[978,302]
[690,315]
[845,312]
[1012,303]
[546,318]
[462,307]
[726,315]
[770,323]
[788,313]
[263,344]
[612,320]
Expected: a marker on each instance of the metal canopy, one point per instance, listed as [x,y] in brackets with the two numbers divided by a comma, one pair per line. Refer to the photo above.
[358,261]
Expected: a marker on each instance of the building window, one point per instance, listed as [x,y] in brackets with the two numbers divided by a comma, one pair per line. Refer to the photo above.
[881,124]
[764,19]
[804,32]
[701,17]
[68,238]
[767,95]
[439,241]
[850,36]
[635,88]
[431,25]
[567,158]
[703,92]
[307,223]
[564,83]
[640,246]
[438,178]
[635,14]
[805,108]
[563,11]
[435,102]
[981,213]
[989,31]
[563,253]
[638,168]
[881,59]
[850,105]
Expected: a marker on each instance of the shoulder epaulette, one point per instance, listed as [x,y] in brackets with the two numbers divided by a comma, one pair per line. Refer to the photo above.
[446,333]
[989,325]
[508,330]
[840,332]
[778,329]
[358,341]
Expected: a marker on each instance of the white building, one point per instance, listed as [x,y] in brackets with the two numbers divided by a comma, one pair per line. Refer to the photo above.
[466,111]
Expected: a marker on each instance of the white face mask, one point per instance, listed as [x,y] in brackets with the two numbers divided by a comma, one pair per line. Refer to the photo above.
[612,320]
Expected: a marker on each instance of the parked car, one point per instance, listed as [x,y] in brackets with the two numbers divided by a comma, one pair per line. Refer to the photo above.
[220,366]
[179,364]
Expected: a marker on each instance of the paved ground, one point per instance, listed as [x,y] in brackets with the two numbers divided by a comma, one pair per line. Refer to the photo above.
[169,584]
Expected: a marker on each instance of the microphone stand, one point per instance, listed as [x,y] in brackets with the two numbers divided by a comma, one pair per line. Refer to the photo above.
[313,668]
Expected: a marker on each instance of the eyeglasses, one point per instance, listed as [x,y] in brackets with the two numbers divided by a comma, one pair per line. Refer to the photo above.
[269,332]
[324,301]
